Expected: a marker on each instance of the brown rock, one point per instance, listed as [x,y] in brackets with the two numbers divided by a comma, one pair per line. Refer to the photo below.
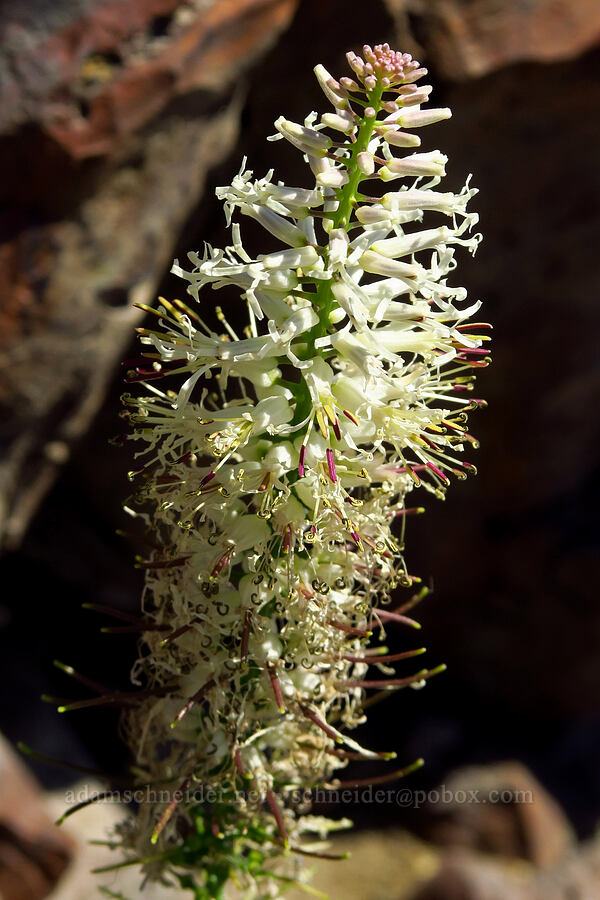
[500,809]
[68,299]
[382,865]
[88,78]
[578,877]
[141,86]
[464,875]
[469,39]
[33,852]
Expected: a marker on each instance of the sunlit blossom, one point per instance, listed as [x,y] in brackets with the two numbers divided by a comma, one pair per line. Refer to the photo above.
[277,466]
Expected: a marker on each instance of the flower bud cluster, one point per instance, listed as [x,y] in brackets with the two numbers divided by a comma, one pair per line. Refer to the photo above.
[277,468]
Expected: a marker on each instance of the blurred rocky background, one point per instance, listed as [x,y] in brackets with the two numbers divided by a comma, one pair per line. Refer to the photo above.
[117,120]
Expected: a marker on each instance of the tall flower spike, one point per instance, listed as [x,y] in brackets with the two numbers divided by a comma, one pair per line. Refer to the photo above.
[279,502]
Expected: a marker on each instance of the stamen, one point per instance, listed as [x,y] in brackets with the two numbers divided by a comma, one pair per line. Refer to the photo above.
[438,472]
[302,459]
[320,724]
[322,424]
[360,757]
[139,628]
[355,537]
[331,464]
[393,657]
[286,542]
[177,798]
[245,636]
[276,685]
[473,326]
[387,616]
[237,759]
[313,854]
[349,629]
[414,600]
[264,483]
[111,611]
[83,679]
[278,816]
[329,412]
[382,779]
[221,563]
[175,634]
[194,699]
[394,682]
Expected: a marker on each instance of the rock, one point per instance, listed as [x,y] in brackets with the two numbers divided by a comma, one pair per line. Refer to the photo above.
[88,74]
[464,875]
[146,89]
[499,809]
[71,285]
[579,876]
[33,852]
[493,815]
[383,865]
[469,39]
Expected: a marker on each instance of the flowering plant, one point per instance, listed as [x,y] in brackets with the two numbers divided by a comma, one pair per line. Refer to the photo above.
[276,474]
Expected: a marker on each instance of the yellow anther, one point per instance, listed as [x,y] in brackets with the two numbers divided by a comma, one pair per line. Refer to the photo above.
[330,413]
[322,424]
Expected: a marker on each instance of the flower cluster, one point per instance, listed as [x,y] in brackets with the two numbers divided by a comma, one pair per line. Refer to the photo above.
[276,474]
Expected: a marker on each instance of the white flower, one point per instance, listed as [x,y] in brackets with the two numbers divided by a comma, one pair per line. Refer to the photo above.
[306,139]
[339,121]
[365,162]
[278,466]
[331,177]
[422,200]
[418,118]
[418,164]
[400,138]
[276,224]
[383,265]
[333,90]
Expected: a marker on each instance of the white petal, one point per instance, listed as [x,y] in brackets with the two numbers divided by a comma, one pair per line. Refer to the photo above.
[332,89]
[331,177]
[306,139]
[412,243]
[381,265]
[339,122]
[290,259]
[417,164]
[417,118]
[365,163]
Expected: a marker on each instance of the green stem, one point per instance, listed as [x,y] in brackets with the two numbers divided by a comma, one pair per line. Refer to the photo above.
[347,197]
[347,194]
